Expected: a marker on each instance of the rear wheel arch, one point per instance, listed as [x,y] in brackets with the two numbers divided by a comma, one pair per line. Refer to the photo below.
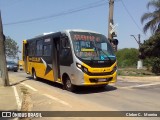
[64,77]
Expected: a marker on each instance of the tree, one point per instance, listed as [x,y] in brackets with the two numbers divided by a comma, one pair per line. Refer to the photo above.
[127,57]
[150,49]
[152,18]
[11,48]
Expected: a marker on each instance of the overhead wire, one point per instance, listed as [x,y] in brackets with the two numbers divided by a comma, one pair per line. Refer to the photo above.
[130,15]
[70,11]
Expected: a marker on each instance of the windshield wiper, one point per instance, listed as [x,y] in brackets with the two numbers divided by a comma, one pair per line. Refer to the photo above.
[103,53]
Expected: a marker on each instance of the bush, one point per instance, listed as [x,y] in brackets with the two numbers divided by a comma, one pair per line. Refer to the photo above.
[150,49]
[156,65]
[127,57]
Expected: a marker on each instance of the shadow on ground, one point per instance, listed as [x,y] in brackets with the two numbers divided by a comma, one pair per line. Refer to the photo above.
[94,89]
[19,82]
[81,89]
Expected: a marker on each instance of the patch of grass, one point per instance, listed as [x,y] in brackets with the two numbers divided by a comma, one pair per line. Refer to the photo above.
[134,72]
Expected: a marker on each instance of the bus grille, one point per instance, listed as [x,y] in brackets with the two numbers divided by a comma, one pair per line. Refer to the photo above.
[100,74]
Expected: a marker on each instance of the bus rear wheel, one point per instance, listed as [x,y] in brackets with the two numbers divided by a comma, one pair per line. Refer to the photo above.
[68,85]
[34,75]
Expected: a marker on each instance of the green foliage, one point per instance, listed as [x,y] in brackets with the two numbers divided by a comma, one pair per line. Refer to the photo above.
[151,50]
[153,17]
[11,48]
[147,62]
[156,65]
[127,57]
[134,72]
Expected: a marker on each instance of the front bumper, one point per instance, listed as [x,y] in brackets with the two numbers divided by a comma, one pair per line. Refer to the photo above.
[12,68]
[100,80]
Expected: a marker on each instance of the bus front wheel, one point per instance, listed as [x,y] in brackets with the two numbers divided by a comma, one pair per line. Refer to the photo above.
[68,85]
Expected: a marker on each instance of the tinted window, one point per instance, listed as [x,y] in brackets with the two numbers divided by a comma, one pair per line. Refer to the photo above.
[47,50]
[39,47]
[11,63]
[31,48]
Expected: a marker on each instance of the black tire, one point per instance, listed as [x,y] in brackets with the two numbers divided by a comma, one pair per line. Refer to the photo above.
[34,75]
[68,85]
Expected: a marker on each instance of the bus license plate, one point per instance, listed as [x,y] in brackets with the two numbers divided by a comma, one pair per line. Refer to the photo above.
[101,80]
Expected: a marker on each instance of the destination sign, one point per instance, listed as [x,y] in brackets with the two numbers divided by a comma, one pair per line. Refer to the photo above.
[86,37]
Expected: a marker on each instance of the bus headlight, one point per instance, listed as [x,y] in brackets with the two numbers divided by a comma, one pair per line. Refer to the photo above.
[79,65]
[84,69]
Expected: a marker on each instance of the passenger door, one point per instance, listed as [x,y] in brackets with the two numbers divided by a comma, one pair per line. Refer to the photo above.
[25,57]
[56,63]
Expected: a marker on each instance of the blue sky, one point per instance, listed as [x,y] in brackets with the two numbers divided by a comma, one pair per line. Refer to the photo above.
[95,19]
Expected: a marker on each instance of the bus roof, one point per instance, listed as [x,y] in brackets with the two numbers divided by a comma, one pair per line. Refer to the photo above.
[80,30]
[63,31]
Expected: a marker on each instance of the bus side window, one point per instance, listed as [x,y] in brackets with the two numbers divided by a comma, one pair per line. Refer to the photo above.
[47,50]
[39,48]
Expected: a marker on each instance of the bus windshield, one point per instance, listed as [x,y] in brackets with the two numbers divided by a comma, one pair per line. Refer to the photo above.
[91,46]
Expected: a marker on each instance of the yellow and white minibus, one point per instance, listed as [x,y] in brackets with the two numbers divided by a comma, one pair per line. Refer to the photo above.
[72,58]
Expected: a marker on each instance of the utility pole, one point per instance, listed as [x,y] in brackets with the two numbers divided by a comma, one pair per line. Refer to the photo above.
[110,18]
[140,61]
[111,27]
[3,66]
